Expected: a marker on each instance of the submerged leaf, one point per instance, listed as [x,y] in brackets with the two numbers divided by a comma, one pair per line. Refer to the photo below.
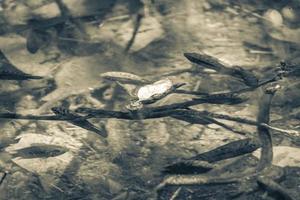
[40,151]
[123,77]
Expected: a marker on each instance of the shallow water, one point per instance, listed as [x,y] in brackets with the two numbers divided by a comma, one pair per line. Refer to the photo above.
[71,46]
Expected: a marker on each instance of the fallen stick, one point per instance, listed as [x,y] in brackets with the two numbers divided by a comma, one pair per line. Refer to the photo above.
[274,189]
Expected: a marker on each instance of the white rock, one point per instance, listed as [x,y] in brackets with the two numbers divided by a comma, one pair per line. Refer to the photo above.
[289,13]
[157,88]
[274,17]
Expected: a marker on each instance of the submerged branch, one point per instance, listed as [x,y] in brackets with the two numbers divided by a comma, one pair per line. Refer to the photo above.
[137,26]
[10,115]
[188,115]
[264,135]
[274,188]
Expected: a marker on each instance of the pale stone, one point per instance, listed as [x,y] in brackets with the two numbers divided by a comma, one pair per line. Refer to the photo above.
[274,17]
[156,88]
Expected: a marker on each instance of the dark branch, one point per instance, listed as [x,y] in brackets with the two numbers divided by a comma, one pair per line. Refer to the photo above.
[274,189]
[137,25]
[263,132]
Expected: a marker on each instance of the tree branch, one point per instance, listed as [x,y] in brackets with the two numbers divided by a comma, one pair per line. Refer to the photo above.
[274,188]
[263,132]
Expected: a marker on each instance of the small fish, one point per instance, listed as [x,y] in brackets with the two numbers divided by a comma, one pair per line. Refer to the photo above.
[10,72]
[207,61]
[13,75]
[124,77]
[79,120]
[229,99]
[210,62]
[40,151]
[230,150]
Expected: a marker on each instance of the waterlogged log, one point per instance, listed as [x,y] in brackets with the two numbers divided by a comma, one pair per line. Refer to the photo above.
[274,189]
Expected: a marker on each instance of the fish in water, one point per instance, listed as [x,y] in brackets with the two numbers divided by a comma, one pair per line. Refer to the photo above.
[40,151]
[78,120]
[210,62]
[12,75]
[10,72]
[204,162]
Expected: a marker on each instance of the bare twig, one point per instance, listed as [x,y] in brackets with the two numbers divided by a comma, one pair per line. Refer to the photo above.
[274,188]
[176,193]
[3,177]
[266,158]
[137,25]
